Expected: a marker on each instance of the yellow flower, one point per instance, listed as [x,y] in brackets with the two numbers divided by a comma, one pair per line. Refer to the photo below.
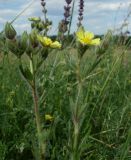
[48,117]
[86,38]
[47,42]
[55,44]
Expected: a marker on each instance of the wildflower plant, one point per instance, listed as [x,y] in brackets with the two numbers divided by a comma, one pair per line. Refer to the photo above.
[84,40]
[36,47]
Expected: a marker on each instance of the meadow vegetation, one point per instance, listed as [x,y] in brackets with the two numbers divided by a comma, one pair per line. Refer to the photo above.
[64,99]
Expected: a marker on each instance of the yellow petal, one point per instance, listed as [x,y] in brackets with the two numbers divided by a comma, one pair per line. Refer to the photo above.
[55,44]
[89,35]
[80,33]
[48,117]
[45,41]
[39,38]
[84,37]
[95,41]
[85,41]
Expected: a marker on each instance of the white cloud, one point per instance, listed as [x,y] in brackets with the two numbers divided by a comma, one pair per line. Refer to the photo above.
[96,13]
[7,12]
[114,6]
[98,6]
[2,20]
[22,27]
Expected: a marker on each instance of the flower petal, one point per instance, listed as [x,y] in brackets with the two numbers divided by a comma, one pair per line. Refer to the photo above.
[95,41]
[45,41]
[85,41]
[55,44]
[89,35]
[80,33]
[48,117]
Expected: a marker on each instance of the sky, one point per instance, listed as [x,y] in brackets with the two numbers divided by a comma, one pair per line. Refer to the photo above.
[99,15]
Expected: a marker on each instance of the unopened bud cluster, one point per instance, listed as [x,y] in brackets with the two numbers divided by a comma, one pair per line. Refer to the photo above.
[40,25]
[29,44]
[18,45]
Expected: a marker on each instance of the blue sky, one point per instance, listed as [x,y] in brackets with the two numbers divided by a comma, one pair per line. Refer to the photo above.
[99,15]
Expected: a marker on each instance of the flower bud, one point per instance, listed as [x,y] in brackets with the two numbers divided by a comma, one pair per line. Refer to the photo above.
[40,26]
[22,43]
[24,40]
[12,46]
[44,11]
[33,39]
[44,53]
[33,25]
[43,4]
[29,49]
[10,31]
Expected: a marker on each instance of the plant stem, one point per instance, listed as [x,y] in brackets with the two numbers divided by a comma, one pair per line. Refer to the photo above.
[75,144]
[76,119]
[36,109]
[41,144]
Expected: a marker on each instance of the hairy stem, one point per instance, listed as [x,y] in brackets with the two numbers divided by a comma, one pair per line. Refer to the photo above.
[76,119]
[37,116]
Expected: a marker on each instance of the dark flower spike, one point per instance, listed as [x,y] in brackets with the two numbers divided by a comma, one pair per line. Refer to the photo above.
[68,1]
[63,25]
[81,10]
[44,10]
[67,10]
[43,3]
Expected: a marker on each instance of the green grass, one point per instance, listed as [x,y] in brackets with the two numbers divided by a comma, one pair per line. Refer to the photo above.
[103,103]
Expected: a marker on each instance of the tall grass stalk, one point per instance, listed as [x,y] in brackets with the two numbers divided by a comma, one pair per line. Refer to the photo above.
[24,10]
[106,82]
